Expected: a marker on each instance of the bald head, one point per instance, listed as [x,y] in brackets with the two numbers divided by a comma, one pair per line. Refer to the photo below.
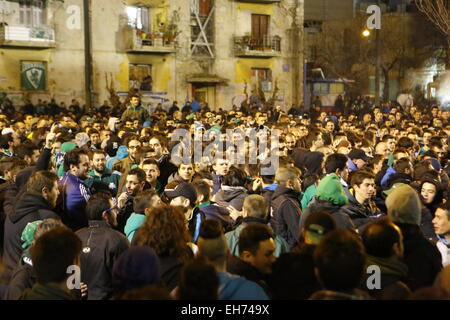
[382,149]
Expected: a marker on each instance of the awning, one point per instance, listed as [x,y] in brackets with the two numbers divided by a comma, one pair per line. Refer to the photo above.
[206,78]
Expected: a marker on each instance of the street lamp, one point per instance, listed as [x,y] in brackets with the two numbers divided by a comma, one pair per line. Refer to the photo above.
[366,33]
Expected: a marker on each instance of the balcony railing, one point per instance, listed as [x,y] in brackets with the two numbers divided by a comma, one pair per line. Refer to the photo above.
[268,46]
[259,1]
[150,43]
[27,36]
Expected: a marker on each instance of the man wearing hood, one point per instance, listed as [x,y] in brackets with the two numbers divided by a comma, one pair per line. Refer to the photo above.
[135,111]
[100,177]
[286,207]
[330,197]
[37,203]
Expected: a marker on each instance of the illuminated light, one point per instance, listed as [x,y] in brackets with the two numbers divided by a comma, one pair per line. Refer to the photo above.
[366,33]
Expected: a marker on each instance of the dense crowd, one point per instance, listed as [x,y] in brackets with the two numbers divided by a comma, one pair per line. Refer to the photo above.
[251,203]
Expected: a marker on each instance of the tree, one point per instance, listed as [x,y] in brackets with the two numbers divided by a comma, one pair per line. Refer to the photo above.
[406,41]
[438,12]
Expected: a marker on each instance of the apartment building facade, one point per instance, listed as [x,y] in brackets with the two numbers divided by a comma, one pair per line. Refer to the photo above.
[210,50]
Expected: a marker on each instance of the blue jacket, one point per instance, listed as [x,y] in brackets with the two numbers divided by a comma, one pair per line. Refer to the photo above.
[122,152]
[351,165]
[232,287]
[134,222]
[390,171]
[75,195]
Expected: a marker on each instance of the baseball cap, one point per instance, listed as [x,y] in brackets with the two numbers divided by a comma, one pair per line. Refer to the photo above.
[318,224]
[184,189]
[394,186]
[358,154]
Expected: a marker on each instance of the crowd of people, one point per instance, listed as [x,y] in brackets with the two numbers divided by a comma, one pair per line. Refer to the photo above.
[336,206]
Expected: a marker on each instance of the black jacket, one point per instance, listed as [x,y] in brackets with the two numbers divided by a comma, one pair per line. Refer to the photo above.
[421,256]
[244,269]
[22,277]
[101,247]
[166,168]
[286,213]
[342,220]
[30,207]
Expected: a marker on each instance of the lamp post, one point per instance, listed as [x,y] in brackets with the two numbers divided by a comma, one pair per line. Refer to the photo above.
[87,54]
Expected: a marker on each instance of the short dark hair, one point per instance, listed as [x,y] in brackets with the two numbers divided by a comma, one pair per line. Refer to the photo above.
[335,161]
[235,178]
[97,204]
[379,237]
[73,158]
[358,177]
[139,173]
[402,164]
[202,189]
[340,259]
[143,200]
[198,281]
[53,253]
[252,235]
[41,179]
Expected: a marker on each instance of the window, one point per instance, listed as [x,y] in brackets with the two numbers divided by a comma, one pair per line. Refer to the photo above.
[140,77]
[264,76]
[336,88]
[320,88]
[138,18]
[260,26]
[32,12]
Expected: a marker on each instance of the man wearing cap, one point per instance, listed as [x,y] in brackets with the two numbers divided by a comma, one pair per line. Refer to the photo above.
[184,195]
[357,159]
[293,275]
[421,256]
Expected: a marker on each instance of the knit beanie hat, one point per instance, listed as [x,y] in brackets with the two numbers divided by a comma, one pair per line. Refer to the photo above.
[403,205]
[82,139]
[330,189]
[137,267]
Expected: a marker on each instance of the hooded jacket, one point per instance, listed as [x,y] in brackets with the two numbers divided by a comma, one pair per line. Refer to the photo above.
[393,273]
[233,238]
[308,196]
[134,222]
[30,207]
[389,172]
[111,124]
[330,197]
[313,162]
[108,180]
[166,168]
[232,287]
[286,213]
[216,212]
[361,214]
[49,291]
[231,196]
[122,153]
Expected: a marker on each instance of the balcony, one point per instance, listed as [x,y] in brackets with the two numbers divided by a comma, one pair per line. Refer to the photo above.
[41,37]
[267,47]
[259,1]
[149,43]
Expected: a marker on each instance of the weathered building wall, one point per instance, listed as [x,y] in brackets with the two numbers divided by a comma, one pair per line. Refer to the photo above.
[65,63]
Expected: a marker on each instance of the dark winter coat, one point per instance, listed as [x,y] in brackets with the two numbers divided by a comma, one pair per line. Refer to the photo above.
[231,196]
[101,248]
[30,207]
[286,213]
